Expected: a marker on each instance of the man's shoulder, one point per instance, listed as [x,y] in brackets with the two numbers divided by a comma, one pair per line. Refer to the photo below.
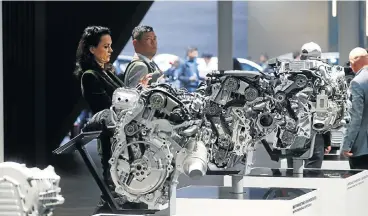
[137,64]
[362,77]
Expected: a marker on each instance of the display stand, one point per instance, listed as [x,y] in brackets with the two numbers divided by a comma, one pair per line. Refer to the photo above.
[220,201]
[334,162]
[342,192]
[78,144]
[331,162]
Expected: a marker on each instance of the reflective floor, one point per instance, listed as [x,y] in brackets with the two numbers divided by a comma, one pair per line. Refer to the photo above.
[216,192]
[307,173]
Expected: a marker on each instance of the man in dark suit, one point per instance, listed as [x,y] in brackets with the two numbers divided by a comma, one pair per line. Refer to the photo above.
[142,70]
[355,145]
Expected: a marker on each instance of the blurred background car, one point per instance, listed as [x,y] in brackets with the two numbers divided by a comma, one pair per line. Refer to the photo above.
[245,64]
[164,61]
[121,63]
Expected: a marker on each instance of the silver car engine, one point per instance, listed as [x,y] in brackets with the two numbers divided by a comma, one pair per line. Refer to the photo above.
[161,132]
[284,112]
[157,137]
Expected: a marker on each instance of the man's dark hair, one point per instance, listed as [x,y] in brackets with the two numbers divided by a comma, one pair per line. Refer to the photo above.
[207,55]
[138,31]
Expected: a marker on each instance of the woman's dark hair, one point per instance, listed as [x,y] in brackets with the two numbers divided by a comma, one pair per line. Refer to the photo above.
[85,59]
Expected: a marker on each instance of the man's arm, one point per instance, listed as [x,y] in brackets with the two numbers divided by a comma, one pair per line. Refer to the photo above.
[327,139]
[356,114]
[135,73]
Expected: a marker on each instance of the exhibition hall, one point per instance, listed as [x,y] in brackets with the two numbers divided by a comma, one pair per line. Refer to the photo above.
[97,119]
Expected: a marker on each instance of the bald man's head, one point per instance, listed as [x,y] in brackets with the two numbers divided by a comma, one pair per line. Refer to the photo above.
[358,58]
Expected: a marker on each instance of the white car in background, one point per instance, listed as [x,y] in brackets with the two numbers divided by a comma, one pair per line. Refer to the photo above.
[245,64]
[165,60]
[121,63]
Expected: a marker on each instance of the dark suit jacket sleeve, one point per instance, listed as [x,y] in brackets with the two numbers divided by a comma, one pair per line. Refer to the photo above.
[135,73]
[327,138]
[94,93]
[356,114]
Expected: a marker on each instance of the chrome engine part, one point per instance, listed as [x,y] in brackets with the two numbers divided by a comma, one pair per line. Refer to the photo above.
[159,134]
[28,191]
[326,89]
[284,112]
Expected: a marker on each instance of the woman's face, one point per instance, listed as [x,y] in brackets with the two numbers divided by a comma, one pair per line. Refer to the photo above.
[103,50]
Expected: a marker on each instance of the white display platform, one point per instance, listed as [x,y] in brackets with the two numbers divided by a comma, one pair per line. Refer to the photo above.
[303,205]
[331,165]
[326,164]
[205,201]
[339,196]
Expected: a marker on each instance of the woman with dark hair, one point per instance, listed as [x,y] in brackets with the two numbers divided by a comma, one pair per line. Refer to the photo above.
[98,83]
[97,75]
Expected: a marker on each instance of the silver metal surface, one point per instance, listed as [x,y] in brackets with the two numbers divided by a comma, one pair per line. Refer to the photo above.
[161,132]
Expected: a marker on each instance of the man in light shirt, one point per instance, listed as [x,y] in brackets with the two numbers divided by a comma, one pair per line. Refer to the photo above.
[142,70]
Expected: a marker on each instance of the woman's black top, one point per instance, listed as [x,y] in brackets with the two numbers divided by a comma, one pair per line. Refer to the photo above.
[98,87]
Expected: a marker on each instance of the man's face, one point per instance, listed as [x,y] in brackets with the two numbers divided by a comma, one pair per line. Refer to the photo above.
[193,54]
[147,45]
[354,64]
[262,59]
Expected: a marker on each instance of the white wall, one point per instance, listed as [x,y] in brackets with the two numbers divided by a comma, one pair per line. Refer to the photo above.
[280,27]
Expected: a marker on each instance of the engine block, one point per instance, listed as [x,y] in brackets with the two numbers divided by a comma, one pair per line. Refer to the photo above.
[160,132]
[284,112]
[159,135]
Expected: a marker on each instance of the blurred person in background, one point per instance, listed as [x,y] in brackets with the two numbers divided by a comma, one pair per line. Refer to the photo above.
[189,74]
[208,66]
[263,61]
[172,74]
[296,55]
